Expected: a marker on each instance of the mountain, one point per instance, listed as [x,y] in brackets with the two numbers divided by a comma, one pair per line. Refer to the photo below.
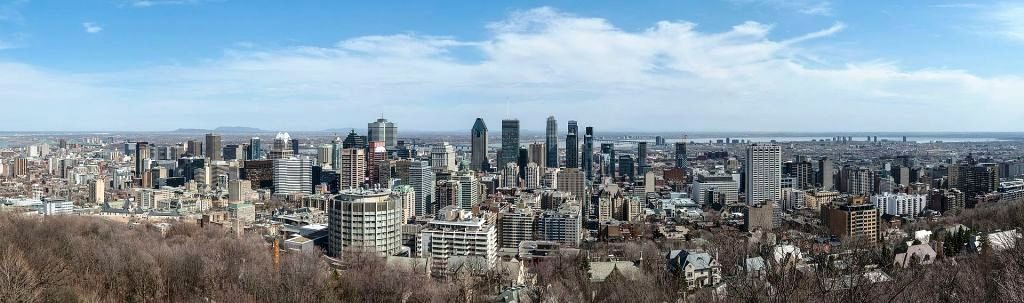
[222,130]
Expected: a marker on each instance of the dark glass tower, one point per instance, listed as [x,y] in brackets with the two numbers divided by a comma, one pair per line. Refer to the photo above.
[572,145]
[681,154]
[551,143]
[588,153]
[509,142]
[478,146]
[641,157]
[255,149]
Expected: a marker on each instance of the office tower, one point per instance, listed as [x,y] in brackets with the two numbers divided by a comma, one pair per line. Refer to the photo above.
[142,154]
[562,225]
[856,220]
[510,175]
[572,145]
[537,154]
[213,150]
[659,140]
[194,148]
[442,158]
[279,149]
[588,153]
[365,221]
[515,225]
[324,156]
[376,154]
[801,171]
[352,167]
[641,157]
[825,174]
[238,190]
[532,176]
[255,149]
[573,181]
[608,159]
[231,152]
[763,173]
[295,147]
[478,146]
[681,161]
[469,189]
[384,131]
[715,189]
[354,140]
[446,193]
[457,233]
[293,175]
[626,167]
[509,142]
[551,142]
[421,178]
[62,143]
[901,174]
[523,161]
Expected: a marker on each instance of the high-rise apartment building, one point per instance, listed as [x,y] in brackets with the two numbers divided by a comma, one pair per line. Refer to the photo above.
[532,176]
[537,154]
[382,130]
[763,173]
[562,225]
[551,142]
[509,142]
[573,181]
[469,189]
[352,167]
[825,174]
[458,234]
[364,221]
[142,155]
[515,225]
[856,220]
[478,146]
[213,149]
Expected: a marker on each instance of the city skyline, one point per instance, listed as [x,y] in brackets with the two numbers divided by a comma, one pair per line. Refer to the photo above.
[710,66]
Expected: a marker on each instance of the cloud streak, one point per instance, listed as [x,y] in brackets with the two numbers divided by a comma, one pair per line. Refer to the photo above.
[91,27]
[671,76]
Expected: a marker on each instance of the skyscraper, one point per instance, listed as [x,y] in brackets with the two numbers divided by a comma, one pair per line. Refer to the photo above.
[641,157]
[551,141]
[537,154]
[213,150]
[825,174]
[255,149]
[354,140]
[572,145]
[509,142]
[352,167]
[763,173]
[421,178]
[681,154]
[382,130]
[141,156]
[588,153]
[478,146]
[442,158]
[293,175]
[295,147]
[277,150]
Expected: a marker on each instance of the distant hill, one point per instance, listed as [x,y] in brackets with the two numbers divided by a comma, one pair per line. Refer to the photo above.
[222,129]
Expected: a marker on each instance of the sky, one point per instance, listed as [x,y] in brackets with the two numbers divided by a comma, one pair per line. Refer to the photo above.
[707,65]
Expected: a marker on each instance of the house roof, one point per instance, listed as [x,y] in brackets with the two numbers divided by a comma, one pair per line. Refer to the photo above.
[599,271]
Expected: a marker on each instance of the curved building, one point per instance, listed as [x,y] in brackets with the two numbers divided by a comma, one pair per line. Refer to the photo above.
[365,220]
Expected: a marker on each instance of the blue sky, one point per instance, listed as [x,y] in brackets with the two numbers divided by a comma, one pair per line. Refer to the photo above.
[730,65]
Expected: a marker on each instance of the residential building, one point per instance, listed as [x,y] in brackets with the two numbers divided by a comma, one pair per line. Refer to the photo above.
[763,173]
[458,240]
[365,221]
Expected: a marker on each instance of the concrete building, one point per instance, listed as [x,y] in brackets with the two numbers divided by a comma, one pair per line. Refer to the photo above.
[421,178]
[537,154]
[760,217]
[442,158]
[763,173]
[855,220]
[98,191]
[365,221]
[533,176]
[469,189]
[447,194]
[573,181]
[722,188]
[293,175]
[516,224]
[243,212]
[405,195]
[900,204]
[239,190]
[562,225]
[58,207]
[458,240]
[352,167]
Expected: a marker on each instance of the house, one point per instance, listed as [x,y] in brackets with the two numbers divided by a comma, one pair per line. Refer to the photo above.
[998,240]
[787,254]
[916,254]
[599,271]
[698,269]
[753,267]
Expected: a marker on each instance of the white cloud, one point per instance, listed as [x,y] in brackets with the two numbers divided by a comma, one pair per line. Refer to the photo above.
[806,7]
[1007,19]
[149,3]
[91,27]
[670,76]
